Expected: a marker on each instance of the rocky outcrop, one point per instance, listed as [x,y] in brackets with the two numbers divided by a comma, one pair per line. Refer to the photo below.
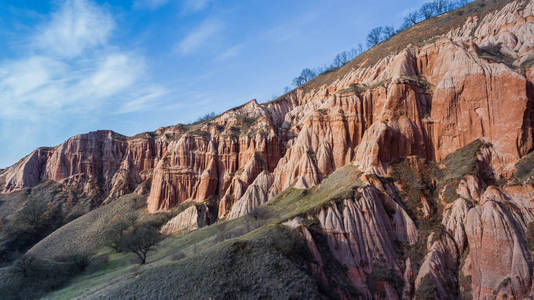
[192,218]
[87,162]
[502,270]
[255,195]
[216,162]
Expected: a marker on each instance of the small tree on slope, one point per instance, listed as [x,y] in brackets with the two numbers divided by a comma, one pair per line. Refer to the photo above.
[141,240]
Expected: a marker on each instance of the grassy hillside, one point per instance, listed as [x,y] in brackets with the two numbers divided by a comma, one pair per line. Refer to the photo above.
[251,251]
[85,233]
[268,263]
[29,215]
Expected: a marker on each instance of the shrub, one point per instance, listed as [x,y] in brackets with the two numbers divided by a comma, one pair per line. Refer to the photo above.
[78,261]
[427,288]
[206,117]
[31,277]
[530,236]
[34,221]
[178,255]
[25,266]
[381,273]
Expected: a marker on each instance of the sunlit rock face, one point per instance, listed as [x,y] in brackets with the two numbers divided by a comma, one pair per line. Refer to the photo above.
[424,102]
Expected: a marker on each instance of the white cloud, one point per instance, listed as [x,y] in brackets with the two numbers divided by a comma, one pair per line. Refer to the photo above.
[149,4]
[38,86]
[145,98]
[199,36]
[230,52]
[192,6]
[78,73]
[114,73]
[77,26]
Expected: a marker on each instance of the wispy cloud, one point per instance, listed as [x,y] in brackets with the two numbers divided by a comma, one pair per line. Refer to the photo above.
[199,36]
[187,6]
[193,6]
[288,31]
[37,86]
[149,4]
[230,52]
[145,98]
[77,26]
[70,68]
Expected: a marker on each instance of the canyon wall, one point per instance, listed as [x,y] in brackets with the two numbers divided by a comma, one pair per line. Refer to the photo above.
[423,103]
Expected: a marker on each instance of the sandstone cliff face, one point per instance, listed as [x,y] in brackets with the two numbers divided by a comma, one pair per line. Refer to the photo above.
[419,106]
[427,101]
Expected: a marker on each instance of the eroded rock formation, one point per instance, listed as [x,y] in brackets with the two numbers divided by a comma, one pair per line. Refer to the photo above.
[418,106]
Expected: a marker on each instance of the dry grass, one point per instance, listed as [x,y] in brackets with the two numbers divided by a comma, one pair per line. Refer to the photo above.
[86,233]
[267,264]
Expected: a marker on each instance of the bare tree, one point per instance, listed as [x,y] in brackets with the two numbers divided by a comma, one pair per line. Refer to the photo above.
[33,212]
[411,19]
[341,59]
[356,51]
[116,231]
[353,53]
[441,6]
[427,11]
[388,32]
[140,241]
[305,76]
[375,36]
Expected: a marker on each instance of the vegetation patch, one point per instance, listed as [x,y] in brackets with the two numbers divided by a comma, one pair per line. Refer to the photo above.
[32,214]
[524,170]
[427,289]
[416,184]
[492,53]
[31,277]
[527,63]
[463,161]
[417,81]
[85,234]
[381,274]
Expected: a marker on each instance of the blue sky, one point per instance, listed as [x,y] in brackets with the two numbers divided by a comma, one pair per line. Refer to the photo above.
[73,66]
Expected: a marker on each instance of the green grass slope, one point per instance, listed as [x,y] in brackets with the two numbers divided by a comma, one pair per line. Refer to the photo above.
[250,257]
[267,264]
